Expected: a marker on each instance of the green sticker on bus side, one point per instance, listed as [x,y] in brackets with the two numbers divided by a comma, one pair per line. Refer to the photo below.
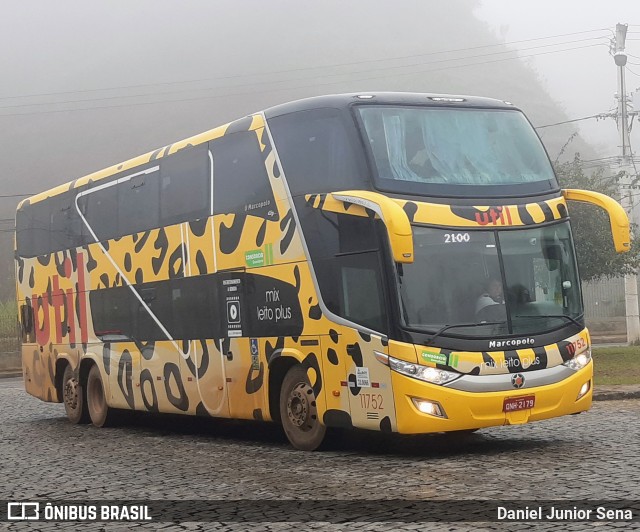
[254,258]
[257,257]
[434,358]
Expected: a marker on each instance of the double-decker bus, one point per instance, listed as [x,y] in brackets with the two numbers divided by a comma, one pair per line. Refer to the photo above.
[388,261]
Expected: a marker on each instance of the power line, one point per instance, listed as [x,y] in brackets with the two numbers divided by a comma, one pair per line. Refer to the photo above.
[263,90]
[634,73]
[15,195]
[324,66]
[385,68]
[573,120]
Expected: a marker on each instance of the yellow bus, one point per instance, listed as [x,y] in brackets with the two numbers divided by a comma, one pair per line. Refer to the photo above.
[388,261]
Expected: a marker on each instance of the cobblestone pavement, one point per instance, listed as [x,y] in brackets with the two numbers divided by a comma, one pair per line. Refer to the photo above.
[590,456]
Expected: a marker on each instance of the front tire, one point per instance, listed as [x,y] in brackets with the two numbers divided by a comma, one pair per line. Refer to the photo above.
[299,412]
[99,412]
[74,397]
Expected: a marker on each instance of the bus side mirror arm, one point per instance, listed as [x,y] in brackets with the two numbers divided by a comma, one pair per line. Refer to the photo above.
[617,216]
[392,215]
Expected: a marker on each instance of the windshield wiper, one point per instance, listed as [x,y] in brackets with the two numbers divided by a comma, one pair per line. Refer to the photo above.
[457,325]
[553,316]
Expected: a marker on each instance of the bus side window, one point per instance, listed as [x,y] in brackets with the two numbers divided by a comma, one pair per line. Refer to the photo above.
[111,312]
[66,225]
[241,183]
[319,151]
[33,227]
[100,209]
[184,185]
[138,203]
[24,234]
[347,260]
[194,301]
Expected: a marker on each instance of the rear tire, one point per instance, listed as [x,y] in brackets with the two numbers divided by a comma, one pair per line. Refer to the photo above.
[74,397]
[298,411]
[99,412]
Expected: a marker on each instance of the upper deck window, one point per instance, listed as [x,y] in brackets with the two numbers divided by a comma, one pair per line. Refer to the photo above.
[429,150]
[319,151]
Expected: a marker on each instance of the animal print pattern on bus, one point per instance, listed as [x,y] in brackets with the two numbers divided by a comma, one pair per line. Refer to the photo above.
[220,376]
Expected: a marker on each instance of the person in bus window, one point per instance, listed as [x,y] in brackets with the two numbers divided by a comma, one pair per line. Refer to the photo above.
[491,301]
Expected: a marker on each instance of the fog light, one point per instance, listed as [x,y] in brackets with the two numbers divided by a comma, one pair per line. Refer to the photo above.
[429,407]
[585,388]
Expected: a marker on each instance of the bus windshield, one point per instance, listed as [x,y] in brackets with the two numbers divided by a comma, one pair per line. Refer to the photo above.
[496,282]
[453,146]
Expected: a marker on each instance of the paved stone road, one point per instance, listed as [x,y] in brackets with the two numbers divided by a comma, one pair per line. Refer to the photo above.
[590,456]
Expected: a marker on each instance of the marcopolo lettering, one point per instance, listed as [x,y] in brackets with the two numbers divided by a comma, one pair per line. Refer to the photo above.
[516,342]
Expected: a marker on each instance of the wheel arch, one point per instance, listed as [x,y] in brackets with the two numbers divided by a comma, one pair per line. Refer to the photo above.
[85,366]
[278,368]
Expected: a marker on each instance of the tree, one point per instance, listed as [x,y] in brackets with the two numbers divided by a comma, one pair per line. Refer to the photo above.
[597,257]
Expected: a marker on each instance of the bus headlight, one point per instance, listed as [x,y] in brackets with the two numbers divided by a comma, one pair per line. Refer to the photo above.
[579,361]
[423,373]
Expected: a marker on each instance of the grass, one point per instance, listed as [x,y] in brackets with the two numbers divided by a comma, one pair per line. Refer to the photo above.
[616,365]
[8,318]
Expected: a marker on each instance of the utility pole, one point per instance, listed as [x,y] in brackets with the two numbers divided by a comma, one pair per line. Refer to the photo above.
[630,281]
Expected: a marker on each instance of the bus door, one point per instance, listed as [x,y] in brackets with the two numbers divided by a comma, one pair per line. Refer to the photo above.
[239,369]
[197,316]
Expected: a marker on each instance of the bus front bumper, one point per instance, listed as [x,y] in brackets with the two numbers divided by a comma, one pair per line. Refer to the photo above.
[462,410]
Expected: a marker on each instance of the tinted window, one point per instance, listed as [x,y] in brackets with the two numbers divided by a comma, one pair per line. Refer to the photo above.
[100,209]
[157,297]
[139,203]
[319,151]
[185,307]
[49,225]
[66,225]
[184,185]
[241,182]
[194,301]
[24,234]
[33,224]
[111,312]
[346,256]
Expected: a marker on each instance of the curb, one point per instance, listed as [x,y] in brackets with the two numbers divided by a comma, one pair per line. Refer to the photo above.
[9,373]
[616,395]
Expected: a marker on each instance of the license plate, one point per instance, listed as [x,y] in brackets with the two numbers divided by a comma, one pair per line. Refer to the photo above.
[512,404]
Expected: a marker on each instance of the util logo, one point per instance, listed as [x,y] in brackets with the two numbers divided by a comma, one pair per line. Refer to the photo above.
[67,305]
[494,216]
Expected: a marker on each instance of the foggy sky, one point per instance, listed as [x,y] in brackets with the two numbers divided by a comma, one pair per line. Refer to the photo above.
[86,85]
[584,80]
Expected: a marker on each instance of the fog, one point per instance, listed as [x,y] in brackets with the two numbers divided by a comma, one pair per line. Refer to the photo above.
[583,79]
[89,84]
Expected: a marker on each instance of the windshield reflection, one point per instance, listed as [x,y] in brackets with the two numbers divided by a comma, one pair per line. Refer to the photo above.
[489,283]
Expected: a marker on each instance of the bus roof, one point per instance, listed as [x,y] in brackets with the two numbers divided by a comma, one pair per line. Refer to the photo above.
[343,101]
[338,101]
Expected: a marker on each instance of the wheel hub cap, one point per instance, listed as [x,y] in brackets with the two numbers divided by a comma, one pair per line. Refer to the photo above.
[71,393]
[298,407]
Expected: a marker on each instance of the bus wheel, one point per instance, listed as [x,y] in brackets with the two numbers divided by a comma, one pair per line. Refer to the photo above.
[298,411]
[100,413]
[74,398]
